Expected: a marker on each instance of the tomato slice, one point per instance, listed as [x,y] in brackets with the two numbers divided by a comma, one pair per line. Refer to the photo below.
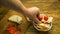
[46,17]
[12,30]
[40,17]
[17,32]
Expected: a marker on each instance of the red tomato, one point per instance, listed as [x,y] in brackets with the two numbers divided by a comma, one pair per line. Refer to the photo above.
[40,17]
[11,29]
[17,32]
[46,17]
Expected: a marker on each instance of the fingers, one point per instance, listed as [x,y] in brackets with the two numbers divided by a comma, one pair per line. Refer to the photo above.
[36,14]
[33,13]
[37,11]
[36,20]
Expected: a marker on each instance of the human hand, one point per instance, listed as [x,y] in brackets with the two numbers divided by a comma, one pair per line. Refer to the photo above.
[32,13]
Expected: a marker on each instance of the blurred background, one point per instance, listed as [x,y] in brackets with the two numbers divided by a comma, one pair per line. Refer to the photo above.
[49,7]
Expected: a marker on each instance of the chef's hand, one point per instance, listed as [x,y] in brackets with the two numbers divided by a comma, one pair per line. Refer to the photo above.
[32,13]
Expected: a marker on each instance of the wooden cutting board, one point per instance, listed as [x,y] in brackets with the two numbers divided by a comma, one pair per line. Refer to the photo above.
[4,23]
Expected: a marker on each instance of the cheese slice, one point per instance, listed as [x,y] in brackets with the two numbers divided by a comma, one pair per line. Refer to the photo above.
[15,18]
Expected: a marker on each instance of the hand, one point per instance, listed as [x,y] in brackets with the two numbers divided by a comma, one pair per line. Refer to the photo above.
[32,13]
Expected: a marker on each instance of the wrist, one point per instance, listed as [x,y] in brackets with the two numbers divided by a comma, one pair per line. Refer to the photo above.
[24,10]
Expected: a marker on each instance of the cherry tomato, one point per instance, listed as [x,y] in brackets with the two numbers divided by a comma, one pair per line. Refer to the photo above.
[40,18]
[46,17]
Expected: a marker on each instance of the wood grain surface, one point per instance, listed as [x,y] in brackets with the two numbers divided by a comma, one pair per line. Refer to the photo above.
[49,7]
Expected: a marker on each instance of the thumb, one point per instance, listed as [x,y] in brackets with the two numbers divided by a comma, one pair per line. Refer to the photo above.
[35,20]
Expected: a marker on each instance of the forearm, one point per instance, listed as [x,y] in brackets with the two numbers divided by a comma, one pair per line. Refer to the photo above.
[15,4]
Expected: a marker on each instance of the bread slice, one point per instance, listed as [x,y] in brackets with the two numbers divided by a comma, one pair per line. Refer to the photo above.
[15,18]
